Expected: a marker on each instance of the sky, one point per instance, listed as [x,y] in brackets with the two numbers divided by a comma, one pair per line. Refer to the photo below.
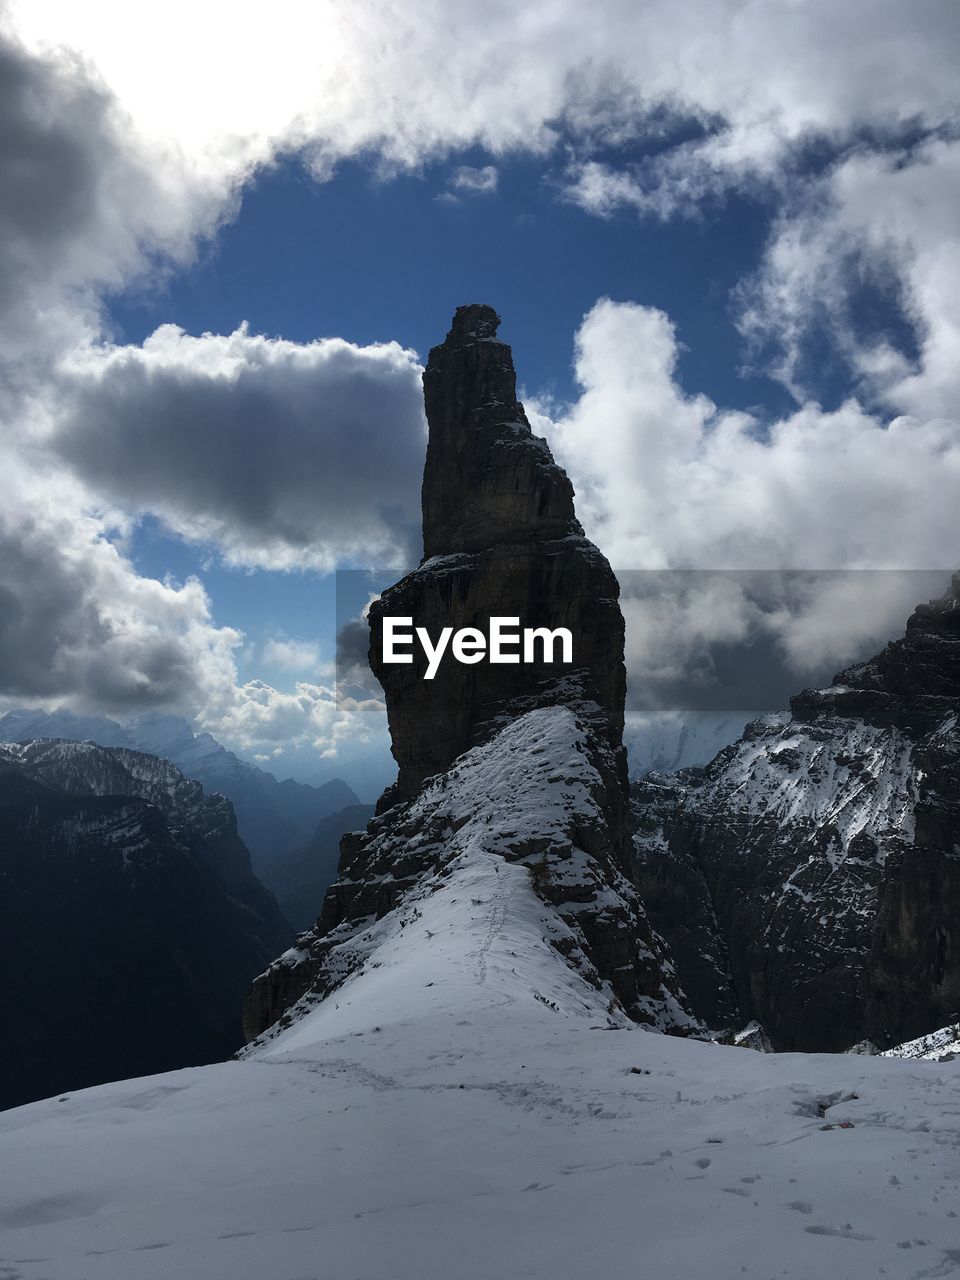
[722,237]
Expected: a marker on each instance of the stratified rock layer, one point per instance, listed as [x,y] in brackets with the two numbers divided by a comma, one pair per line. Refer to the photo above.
[810,876]
[522,763]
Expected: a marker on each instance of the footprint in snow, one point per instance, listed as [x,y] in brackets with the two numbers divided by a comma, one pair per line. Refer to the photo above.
[845,1232]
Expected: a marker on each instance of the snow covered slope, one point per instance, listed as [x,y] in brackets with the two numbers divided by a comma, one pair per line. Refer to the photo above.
[540,797]
[940,1045]
[464,1107]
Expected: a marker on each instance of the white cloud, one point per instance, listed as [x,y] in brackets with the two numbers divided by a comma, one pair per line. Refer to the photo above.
[79,626]
[302,656]
[666,479]
[475,181]
[257,719]
[410,80]
[890,220]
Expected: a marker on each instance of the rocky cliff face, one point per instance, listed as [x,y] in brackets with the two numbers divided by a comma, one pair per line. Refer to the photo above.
[130,922]
[500,538]
[810,876]
[519,763]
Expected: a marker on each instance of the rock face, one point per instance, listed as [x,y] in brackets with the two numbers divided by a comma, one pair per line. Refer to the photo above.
[809,877]
[500,538]
[521,763]
[130,921]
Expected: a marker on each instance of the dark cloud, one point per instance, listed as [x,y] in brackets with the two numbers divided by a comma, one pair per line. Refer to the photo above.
[283,455]
[76,622]
[78,203]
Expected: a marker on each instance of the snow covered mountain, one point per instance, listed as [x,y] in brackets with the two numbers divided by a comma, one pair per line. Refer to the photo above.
[530,802]
[457,1072]
[275,818]
[130,919]
[809,876]
[461,1108]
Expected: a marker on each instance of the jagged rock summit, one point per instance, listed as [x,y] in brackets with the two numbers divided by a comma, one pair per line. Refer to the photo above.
[500,538]
[487,479]
[501,767]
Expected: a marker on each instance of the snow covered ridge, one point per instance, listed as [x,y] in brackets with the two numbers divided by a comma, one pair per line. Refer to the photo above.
[86,769]
[851,778]
[939,1046]
[523,813]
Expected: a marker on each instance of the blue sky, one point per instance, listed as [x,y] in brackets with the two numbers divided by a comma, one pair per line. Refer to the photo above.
[722,237]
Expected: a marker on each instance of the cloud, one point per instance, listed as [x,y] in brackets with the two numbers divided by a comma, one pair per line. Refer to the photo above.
[85,205]
[282,455]
[414,80]
[292,655]
[880,220]
[666,479]
[467,181]
[77,623]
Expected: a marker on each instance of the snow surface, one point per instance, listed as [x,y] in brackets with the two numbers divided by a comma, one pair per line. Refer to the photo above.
[462,1109]
[857,778]
[937,1044]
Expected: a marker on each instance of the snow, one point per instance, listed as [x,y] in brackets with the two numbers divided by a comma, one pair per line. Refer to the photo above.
[464,1107]
[856,778]
[933,1047]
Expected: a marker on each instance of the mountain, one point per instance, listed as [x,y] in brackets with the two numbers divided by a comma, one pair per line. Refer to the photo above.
[303,877]
[808,877]
[460,1108]
[457,1071]
[130,920]
[498,763]
[668,741]
[274,818]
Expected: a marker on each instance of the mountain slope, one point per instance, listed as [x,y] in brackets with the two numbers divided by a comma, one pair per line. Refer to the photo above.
[303,877]
[130,921]
[809,876]
[462,1109]
[275,818]
[533,797]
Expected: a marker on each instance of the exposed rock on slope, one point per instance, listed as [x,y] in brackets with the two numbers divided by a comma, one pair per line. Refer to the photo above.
[514,762]
[810,876]
[130,921]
